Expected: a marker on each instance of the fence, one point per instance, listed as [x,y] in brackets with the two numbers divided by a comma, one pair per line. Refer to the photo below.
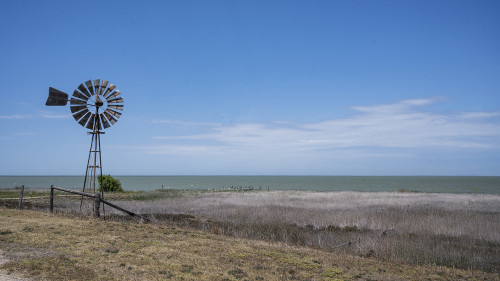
[97,202]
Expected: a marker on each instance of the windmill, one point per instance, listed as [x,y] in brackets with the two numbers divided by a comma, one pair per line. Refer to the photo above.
[96,106]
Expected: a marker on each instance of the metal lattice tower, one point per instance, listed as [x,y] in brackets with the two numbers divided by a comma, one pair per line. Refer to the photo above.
[95,105]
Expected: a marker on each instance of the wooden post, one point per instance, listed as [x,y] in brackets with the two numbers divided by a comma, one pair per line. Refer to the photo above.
[21,198]
[97,205]
[52,198]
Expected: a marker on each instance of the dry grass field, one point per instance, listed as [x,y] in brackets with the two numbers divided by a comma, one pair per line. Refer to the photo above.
[456,230]
[44,246]
[426,236]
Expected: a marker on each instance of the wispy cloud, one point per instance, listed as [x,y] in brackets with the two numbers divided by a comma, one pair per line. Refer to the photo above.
[396,107]
[42,113]
[16,116]
[184,123]
[52,115]
[405,124]
[23,134]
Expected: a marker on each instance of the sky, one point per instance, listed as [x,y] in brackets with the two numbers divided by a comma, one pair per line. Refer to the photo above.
[255,87]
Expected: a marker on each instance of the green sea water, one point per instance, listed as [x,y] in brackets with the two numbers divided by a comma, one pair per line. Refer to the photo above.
[437,184]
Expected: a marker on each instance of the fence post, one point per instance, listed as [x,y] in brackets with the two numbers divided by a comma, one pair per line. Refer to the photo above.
[21,198]
[52,198]
[97,205]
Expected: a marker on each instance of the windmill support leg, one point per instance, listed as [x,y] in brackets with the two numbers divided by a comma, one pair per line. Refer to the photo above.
[94,167]
[87,171]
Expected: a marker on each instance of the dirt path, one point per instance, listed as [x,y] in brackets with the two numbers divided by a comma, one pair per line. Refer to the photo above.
[3,274]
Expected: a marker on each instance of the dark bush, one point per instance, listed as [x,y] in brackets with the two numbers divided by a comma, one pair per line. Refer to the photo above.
[109,184]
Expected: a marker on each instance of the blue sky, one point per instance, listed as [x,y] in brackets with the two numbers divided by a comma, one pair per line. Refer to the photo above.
[256,87]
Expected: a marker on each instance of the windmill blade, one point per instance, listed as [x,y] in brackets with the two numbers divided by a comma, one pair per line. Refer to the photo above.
[116,93]
[78,108]
[90,87]
[79,114]
[104,84]
[110,89]
[114,113]
[79,95]
[97,84]
[85,118]
[56,98]
[110,118]
[104,122]
[90,124]
[77,101]
[84,90]
[116,107]
[117,100]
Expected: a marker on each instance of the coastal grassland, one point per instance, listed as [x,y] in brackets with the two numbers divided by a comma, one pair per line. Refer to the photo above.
[455,230]
[60,246]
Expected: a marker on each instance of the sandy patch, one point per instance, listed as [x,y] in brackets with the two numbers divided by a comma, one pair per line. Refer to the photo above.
[3,274]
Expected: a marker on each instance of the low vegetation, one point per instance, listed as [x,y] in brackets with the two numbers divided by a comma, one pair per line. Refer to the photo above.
[60,246]
[455,230]
[421,229]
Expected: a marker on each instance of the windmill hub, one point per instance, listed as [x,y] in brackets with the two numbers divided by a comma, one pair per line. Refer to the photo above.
[99,102]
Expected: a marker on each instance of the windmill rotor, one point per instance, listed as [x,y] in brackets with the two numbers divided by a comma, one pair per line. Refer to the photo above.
[99,98]
[96,102]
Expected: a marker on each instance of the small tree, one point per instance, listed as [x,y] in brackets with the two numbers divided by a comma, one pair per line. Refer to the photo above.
[109,184]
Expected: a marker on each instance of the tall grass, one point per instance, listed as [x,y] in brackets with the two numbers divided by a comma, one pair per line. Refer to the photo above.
[455,230]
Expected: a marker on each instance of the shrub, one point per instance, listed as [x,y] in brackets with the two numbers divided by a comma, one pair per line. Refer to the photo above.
[109,184]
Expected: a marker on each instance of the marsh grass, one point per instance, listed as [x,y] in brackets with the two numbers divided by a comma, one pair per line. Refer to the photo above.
[453,230]
[45,246]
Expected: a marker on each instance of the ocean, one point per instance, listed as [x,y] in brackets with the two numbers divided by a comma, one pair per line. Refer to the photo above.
[435,184]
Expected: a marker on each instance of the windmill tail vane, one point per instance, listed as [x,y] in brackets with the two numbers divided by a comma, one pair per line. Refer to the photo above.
[56,98]
[95,105]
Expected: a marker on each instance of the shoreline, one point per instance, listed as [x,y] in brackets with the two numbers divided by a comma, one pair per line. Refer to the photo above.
[434,184]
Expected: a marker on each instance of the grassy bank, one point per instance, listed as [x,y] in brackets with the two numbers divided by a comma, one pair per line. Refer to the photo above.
[67,247]
[453,230]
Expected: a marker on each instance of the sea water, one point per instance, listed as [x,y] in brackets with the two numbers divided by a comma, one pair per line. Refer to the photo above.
[437,184]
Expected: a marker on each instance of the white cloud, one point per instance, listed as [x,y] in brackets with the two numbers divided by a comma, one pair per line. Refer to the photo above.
[184,123]
[15,116]
[52,115]
[43,114]
[400,125]
[478,115]
[392,108]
